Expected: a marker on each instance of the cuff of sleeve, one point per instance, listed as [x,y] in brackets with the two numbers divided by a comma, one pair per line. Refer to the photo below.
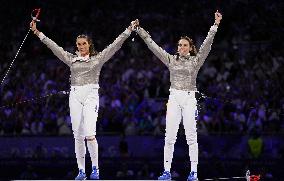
[143,33]
[41,36]
[127,32]
[138,29]
[214,28]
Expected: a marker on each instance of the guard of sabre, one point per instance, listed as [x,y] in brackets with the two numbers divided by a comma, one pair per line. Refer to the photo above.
[36,12]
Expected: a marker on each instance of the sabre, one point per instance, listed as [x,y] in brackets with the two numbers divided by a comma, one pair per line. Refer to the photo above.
[34,18]
[64,92]
[247,177]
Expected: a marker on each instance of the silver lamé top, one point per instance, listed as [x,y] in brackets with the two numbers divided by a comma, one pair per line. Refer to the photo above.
[184,70]
[85,70]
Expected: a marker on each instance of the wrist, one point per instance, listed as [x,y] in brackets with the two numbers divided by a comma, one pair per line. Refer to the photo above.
[36,32]
[216,23]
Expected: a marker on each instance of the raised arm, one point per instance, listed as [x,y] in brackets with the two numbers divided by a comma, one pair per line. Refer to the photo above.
[57,50]
[110,50]
[206,45]
[156,49]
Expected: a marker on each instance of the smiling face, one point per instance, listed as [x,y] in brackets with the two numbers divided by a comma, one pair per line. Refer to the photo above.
[83,46]
[184,47]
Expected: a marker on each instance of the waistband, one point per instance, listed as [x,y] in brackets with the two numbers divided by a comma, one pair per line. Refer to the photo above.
[87,86]
[182,91]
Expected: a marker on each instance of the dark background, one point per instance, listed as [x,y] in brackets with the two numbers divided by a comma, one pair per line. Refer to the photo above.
[240,121]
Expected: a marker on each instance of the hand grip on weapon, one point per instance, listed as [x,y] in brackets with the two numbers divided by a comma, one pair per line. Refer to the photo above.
[218,17]
[135,24]
[134,27]
[34,20]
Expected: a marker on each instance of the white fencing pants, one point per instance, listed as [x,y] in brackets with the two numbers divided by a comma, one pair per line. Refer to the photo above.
[181,105]
[84,105]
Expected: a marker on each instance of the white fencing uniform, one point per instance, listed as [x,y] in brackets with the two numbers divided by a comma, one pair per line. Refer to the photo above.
[84,97]
[84,105]
[182,104]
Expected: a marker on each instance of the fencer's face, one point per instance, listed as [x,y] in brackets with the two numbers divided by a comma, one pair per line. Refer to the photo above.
[183,47]
[83,46]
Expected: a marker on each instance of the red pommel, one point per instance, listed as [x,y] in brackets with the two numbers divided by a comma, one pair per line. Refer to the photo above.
[254,178]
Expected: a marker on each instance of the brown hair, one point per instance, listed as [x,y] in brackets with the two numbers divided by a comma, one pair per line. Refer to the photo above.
[92,50]
[193,51]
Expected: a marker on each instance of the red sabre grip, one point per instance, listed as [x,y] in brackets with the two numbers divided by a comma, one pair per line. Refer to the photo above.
[37,11]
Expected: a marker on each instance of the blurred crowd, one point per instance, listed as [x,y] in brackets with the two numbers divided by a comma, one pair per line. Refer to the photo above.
[239,84]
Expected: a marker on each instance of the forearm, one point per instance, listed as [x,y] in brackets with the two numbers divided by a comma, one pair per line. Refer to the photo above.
[110,50]
[206,45]
[57,50]
[152,45]
[36,32]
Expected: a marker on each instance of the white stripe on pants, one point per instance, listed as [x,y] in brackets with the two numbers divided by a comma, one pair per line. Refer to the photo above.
[84,105]
[181,104]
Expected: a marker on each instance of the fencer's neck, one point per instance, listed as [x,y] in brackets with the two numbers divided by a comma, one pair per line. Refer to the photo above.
[80,55]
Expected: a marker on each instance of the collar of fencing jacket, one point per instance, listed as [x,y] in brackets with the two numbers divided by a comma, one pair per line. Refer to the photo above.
[81,58]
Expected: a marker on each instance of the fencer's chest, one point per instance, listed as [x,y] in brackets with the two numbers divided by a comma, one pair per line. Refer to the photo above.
[181,67]
[83,65]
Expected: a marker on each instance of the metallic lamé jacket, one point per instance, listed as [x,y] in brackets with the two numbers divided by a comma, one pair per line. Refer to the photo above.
[183,72]
[85,70]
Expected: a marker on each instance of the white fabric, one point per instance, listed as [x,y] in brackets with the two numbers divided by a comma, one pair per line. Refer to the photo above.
[182,105]
[84,105]
[41,36]
[93,150]
[81,58]
[80,151]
